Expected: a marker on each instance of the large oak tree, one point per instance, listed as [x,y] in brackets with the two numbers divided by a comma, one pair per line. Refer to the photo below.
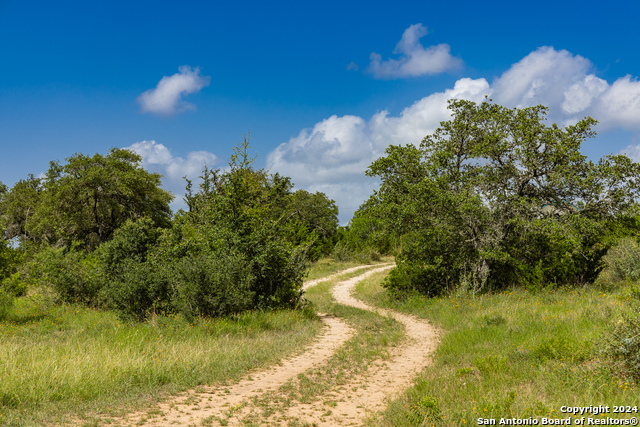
[495,197]
[85,200]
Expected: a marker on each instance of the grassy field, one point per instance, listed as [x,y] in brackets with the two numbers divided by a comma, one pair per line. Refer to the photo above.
[64,363]
[515,354]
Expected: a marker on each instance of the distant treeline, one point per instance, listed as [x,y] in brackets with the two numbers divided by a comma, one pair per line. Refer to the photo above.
[99,231]
[493,198]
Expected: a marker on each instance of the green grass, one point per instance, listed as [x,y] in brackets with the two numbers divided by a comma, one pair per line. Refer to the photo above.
[59,363]
[514,354]
[64,363]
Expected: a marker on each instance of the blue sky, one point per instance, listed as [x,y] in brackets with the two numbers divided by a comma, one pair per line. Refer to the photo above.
[323,88]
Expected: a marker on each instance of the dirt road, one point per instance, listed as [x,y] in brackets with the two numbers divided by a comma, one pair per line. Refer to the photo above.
[361,397]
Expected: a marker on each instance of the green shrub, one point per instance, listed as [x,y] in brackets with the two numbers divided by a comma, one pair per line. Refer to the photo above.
[75,276]
[342,252]
[212,286]
[408,278]
[623,346]
[622,341]
[622,263]
[133,286]
[137,291]
[133,240]
[14,285]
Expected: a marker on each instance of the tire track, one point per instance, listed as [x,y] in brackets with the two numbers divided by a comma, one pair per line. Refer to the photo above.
[366,395]
[359,398]
[220,402]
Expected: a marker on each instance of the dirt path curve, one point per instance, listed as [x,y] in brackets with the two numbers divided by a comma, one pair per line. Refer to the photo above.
[364,396]
[217,403]
[360,397]
[310,283]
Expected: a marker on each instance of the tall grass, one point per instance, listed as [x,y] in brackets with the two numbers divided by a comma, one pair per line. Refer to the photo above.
[59,363]
[514,354]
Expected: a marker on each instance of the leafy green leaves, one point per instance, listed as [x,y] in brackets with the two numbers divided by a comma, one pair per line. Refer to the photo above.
[85,200]
[496,197]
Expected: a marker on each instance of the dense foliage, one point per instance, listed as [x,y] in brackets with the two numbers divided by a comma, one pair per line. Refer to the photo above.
[97,231]
[84,201]
[227,254]
[494,197]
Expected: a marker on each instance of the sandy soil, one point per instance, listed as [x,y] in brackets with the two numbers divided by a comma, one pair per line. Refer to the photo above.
[218,403]
[361,397]
[365,395]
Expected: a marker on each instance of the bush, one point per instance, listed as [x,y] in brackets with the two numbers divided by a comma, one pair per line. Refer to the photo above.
[14,285]
[342,252]
[133,240]
[233,251]
[75,276]
[622,341]
[212,286]
[137,291]
[622,264]
[408,278]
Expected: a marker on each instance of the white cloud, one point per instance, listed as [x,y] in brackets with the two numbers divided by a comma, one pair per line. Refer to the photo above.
[540,77]
[619,105]
[333,155]
[565,83]
[415,60]
[157,158]
[166,98]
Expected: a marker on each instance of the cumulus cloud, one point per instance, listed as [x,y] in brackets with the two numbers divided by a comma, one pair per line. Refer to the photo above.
[167,97]
[632,151]
[333,155]
[415,60]
[567,85]
[543,75]
[619,104]
[156,157]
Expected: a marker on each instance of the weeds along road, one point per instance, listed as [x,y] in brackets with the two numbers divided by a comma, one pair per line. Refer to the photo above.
[260,399]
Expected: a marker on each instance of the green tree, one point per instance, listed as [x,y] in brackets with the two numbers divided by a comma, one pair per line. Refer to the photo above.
[314,217]
[245,211]
[18,207]
[85,200]
[495,197]
[230,252]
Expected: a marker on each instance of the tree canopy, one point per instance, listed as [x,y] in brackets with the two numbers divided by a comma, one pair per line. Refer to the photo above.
[84,200]
[495,196]
[232,250]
